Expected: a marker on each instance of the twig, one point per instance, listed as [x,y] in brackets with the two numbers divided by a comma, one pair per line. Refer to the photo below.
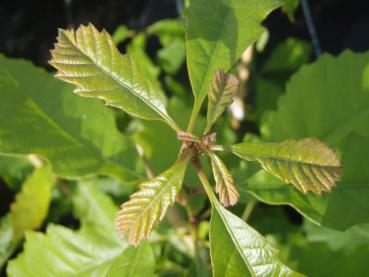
[148,168]
[248,210]
[311,27]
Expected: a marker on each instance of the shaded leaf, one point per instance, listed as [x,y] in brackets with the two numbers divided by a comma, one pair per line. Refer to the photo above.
[224,184]
[134,262]
[217,33]
[238,250]
[288,55]
[89,59]
[94,250]
[224,86]
[31,204]
[146,207]
[308,164]
[41,115]
[7,244]
[335,109]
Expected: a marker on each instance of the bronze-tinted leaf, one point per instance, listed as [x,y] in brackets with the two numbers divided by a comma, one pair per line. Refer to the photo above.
[137,217]
[228,193]
[90,60]
[220,95]
[308,164]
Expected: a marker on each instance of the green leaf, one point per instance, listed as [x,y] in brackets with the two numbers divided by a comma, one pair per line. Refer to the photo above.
[224,184]
[224,86]
[308,164]
[135,262]
[94,250]
[328,112]
[217,33]
[289,7]
[238,250]
[331,114]
[345,206]
[14,169]
[89,59]
[148,206]
[31,204]
[7,244]
[41,115]
[120,34]
[288,56]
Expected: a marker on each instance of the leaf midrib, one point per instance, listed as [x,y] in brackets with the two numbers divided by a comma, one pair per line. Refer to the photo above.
[281,159]
[114,79]
[235,242]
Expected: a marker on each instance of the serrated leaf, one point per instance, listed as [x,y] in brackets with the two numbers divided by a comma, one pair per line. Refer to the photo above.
[224,184]
[89,59]
[146,207]
[331,114]
[31,204]
[94,250]
[217,33]
[41,115]
[308,164]
[223,87]
[238,250]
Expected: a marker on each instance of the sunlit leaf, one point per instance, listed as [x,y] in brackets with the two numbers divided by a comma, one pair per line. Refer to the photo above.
[148,206]
[224,184]
[217,33]
[307,164]
[31,204]
[7,244]
[238,250]
[89,59]
[223,87]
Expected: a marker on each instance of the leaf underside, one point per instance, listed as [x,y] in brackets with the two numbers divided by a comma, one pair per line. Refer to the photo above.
[308,164]
[224,86]
[224,184]
[89,59]
[137,217]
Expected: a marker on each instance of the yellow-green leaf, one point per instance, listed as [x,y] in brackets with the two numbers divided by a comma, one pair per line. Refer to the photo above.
[90,60]
[32,202]
[308,164]
[224,184]
[137,217]
[220,95]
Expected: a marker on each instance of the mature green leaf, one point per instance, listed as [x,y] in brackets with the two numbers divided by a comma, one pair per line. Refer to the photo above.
[288,56]
[317,259]
[172,56]
[135,262]
[238,250]
[328,112]
[31,204]
[94,250]
[217,33]
[224,86]
[41,115]
[148,206]
[308,164]
[7,244]
[14,169]
[289,7]
[224,184]
[331,114]
[89,59]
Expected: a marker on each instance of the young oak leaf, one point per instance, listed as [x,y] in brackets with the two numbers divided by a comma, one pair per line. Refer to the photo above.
[308,164]
[137,217]
[224,184]
[90,60]
[223,87]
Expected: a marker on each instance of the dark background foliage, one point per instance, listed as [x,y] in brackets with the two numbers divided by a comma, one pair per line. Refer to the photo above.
[28,27]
